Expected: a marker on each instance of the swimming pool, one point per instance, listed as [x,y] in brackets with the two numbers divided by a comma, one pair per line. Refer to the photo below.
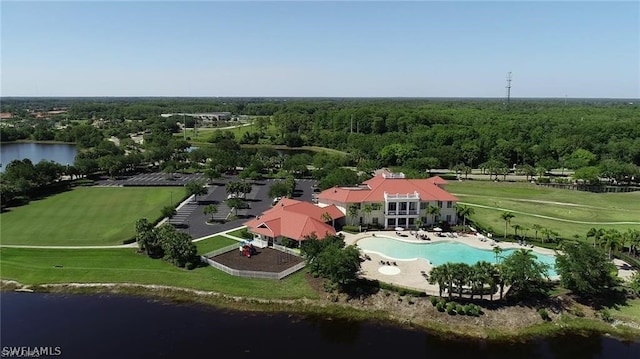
[440,252]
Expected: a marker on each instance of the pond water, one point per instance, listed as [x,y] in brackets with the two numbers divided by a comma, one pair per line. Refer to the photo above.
[110,326]
[58,152]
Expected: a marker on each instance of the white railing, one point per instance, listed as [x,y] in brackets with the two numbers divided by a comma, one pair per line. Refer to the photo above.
[414,195]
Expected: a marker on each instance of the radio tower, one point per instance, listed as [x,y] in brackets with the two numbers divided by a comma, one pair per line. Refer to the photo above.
[508,88]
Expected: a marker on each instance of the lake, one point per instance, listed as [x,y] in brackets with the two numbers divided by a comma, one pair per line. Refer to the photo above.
[114,326]
[36,152]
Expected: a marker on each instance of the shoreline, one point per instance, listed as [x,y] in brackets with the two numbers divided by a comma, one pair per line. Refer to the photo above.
[383,307]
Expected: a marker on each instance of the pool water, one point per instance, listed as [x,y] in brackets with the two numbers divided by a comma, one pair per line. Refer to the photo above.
[441,252]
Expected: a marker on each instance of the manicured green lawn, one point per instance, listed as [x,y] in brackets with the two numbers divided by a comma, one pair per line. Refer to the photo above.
[38,266]
[213,243]
[630,311]
[569,212]
[85,216]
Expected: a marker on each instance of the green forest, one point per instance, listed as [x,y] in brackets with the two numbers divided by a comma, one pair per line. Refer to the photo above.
[601,138]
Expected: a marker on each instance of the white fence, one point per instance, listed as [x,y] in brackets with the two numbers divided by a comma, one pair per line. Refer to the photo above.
[248,273]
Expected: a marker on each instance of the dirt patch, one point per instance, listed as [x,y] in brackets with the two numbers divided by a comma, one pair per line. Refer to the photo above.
[264,260]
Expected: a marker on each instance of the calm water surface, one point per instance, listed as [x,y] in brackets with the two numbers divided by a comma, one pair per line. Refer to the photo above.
[108,326]
[62,153]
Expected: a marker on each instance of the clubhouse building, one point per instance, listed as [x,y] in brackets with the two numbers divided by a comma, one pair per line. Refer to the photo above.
[388,200]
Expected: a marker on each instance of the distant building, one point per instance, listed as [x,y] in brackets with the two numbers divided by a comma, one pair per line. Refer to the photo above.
[210,116]
[6,115]
[393,201]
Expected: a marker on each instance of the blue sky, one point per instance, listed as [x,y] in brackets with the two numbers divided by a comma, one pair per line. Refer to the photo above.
[324,49]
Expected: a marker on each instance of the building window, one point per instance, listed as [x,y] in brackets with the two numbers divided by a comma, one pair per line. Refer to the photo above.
[424,205]
[402,222]
[374,220]
[392,206]
[391,222]
[412,222]
[448,218]
[412,206]
[449,204]
[439,204]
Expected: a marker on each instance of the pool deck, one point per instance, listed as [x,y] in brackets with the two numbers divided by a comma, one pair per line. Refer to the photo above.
[409,273]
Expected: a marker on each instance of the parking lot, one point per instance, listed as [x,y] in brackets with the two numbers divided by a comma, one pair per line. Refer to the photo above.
[194,222]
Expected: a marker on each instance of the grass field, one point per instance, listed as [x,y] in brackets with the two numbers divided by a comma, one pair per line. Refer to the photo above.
[85,216]
[565,211]
[213,243]
[37,266]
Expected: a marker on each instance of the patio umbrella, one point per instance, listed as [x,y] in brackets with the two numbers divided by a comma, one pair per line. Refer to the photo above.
[399,229]
[437,229]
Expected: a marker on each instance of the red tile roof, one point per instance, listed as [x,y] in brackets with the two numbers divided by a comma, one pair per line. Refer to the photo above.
[294,219]
[373,190]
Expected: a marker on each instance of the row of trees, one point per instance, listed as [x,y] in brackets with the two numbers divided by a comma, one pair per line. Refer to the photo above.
[583,269]
[520,270]
[416,133]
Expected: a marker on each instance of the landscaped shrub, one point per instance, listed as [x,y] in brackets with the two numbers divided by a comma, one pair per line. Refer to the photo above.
[605,315]
[544,314]
[460,309]
[351,229]
[440,307]
[473,311]
[433,300]
[451,308]
[244,233]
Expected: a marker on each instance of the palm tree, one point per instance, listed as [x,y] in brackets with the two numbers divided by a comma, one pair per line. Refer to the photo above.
[547,233]
[440,276]
[461,275]
[367,209]
[464,212]
[352,211]
[524,232]
[497,250]
[327,217]
[482,274]
[537,228]
[596,233]
[523,271]
[433,211]
[516,228]
[211,209]
[506,216]
[612,240]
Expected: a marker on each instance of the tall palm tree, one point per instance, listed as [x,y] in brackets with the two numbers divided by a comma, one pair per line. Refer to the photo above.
[612,240]
[439,275]
[461,275]
[516,228]
[596,233]
[352,211]
[497,250]
[506,216]
[482,273]
[433,211]
[367,209]
[464,212]
[536,228]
